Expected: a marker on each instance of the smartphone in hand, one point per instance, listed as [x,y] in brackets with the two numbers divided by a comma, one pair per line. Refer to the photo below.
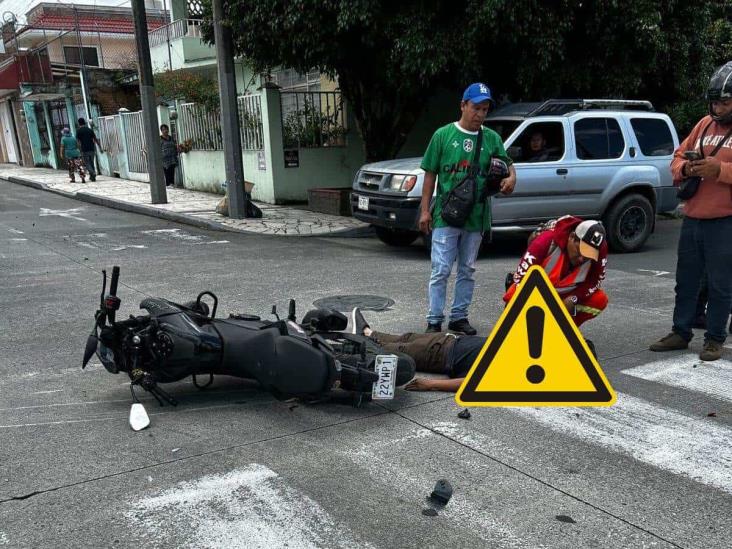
[692,155]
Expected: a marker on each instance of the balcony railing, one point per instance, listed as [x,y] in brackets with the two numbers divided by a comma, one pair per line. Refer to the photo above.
[176,29]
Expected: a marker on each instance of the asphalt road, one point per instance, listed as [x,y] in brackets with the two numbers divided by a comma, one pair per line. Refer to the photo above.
[233,467]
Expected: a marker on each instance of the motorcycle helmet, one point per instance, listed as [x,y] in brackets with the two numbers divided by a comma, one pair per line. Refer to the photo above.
[720,87]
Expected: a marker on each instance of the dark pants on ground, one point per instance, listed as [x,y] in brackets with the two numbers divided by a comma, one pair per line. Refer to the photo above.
[701,304]
[169,176]
[429,351]
[89,157]
[704,245]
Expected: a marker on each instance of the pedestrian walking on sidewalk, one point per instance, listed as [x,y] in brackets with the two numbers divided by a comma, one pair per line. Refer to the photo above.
[87,139]
[72,155]
[170,155]
[454,155]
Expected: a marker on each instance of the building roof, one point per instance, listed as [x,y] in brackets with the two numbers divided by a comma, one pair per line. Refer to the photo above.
[120,25]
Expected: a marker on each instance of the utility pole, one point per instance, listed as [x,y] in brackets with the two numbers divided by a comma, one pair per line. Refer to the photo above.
[158,194]
[229,115]
[82,73]
[168,22]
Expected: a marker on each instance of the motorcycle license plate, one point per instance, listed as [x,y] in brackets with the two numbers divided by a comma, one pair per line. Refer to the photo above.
[363,202]
[386,366]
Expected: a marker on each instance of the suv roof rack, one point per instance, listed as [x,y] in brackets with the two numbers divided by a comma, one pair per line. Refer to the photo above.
[563,106]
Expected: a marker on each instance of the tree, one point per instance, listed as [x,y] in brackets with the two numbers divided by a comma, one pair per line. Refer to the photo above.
[390,57]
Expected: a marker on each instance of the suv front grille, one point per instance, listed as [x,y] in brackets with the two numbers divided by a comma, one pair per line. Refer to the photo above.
[370,181]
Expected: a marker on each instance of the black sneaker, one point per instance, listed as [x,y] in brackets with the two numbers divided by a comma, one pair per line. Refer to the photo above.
[462,326]
[358,322]
[92,179]
[433,328]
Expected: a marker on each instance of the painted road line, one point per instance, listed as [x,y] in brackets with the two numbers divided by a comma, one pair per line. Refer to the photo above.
[250,507]
[690,446]
[386,459]
[72,213]
[689,372]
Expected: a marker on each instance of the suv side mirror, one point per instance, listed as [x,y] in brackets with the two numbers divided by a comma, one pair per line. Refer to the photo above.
[515,153]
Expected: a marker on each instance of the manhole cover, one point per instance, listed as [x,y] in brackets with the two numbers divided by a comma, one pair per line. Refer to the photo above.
[345,303]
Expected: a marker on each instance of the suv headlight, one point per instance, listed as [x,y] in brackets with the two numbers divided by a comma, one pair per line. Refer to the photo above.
[403,183]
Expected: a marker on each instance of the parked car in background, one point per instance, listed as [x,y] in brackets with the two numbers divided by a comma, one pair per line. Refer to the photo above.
[602,158]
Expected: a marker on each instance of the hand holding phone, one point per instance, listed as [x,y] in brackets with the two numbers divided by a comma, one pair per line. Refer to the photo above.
[692,155]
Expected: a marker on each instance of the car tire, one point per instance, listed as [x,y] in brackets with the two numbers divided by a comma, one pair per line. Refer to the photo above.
[396,237]
[629,222]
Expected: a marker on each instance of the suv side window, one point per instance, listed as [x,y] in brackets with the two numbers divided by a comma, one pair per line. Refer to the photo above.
[598,138]
[539,142]
[654,136]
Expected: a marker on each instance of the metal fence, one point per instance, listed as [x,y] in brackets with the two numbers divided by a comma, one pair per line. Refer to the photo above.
[175,30]
[313,119]
[135,133]
[250,122]
[109,139]
[201,127]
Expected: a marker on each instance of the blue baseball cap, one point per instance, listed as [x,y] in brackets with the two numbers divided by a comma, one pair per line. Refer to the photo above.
[477,93]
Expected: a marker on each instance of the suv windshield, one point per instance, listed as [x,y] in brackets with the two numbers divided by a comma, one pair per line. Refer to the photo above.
[504,128]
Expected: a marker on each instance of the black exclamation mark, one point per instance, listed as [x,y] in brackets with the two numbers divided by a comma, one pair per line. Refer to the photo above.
[535,329]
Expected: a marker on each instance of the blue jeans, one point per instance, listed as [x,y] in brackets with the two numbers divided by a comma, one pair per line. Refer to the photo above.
[704,244]
[449,244]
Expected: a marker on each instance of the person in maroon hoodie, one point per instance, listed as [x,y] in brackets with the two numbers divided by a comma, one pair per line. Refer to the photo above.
[705,242]
[573,253]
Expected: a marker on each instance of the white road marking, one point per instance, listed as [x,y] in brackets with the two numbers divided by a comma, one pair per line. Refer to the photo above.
[654,273]
[129,246]
[18,240]
[178,234]
[383,459]
[691,446]
[47,392]
[251,507]
[689,372]
[16,231]
[70,214]
[4,538]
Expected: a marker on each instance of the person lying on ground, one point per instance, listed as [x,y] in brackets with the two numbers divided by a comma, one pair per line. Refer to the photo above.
[445,353]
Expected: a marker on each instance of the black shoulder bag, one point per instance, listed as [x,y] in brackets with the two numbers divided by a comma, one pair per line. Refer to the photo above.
[690,185]
[458,204]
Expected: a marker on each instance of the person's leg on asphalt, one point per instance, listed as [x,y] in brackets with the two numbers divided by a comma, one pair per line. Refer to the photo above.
[468,247]
[717,235]
[429,351]
[689,270]
[590,307]
[444,252]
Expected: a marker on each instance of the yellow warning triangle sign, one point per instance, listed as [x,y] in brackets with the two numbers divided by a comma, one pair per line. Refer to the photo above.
[535,356]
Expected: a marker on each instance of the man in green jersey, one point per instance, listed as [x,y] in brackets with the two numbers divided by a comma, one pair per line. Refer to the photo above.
[446,162]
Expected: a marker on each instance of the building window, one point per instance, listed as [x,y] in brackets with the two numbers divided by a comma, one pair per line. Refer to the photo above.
[91,56]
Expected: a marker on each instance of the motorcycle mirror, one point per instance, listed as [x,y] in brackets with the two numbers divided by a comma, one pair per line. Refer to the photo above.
[138,417]
[91,347]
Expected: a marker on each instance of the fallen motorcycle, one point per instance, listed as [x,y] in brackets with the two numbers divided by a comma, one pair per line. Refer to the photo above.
[173,341]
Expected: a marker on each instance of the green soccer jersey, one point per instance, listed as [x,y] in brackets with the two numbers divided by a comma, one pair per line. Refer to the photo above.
[449,155]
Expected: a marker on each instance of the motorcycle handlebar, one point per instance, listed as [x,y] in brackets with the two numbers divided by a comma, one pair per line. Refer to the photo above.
[115,280]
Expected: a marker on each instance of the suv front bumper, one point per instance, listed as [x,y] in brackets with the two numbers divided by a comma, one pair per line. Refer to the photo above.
[393,213]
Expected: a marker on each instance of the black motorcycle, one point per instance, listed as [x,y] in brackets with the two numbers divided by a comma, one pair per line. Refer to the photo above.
[306,360]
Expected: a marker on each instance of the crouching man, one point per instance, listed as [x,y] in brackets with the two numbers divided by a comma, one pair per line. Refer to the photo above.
[573,253]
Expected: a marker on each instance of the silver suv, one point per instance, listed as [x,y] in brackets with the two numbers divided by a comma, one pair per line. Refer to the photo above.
[604,159]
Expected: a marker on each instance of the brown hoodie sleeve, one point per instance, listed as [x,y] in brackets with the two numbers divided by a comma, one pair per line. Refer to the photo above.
[688,144]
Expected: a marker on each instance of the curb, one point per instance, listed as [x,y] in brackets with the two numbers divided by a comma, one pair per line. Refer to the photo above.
[184,219]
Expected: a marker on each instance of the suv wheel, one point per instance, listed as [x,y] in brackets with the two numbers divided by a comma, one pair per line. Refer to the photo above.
[629,222]
[396,237]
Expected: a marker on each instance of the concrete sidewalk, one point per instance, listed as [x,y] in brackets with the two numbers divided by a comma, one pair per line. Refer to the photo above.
[185,206]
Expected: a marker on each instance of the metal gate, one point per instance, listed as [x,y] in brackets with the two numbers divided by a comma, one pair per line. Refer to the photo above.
[136,152]
[109,139]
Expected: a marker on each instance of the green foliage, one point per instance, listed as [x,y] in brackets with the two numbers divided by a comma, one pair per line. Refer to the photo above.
[311,126]
[186,85]
[390,57]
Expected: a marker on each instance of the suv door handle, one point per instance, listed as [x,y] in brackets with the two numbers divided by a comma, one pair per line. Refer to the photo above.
[562,171]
